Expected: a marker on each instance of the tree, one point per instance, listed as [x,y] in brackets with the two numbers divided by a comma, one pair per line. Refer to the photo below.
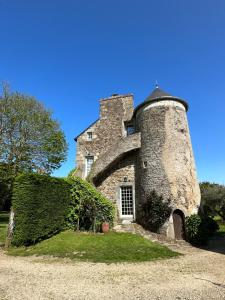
[30,139]
[213,199]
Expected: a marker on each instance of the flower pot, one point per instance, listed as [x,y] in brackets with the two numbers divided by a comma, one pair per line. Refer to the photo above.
[105,227]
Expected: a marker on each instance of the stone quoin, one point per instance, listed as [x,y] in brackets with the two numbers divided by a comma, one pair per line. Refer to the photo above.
[129,152]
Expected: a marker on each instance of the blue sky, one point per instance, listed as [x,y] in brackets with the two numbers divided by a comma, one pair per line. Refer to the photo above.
[70,53]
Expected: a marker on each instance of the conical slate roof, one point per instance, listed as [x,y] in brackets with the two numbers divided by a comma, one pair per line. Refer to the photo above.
[160,95]
[157,93]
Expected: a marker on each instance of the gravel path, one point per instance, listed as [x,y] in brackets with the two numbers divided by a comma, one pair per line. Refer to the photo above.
[199,274]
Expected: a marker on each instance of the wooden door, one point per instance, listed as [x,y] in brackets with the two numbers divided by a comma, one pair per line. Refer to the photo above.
[178,223]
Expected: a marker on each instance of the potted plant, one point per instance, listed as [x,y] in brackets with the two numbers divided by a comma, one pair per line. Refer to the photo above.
[105,227]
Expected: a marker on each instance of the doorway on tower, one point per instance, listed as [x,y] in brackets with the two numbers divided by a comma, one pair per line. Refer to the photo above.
[179,225]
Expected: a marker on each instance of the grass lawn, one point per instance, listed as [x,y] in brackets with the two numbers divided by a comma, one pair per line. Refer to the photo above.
[4,219]
[109,248]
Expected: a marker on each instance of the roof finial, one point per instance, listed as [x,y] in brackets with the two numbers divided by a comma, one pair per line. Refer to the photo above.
[156,84]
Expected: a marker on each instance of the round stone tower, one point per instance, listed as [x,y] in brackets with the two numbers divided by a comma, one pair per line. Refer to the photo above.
[165,161]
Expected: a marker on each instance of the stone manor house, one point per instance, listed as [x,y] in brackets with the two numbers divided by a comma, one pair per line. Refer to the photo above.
[129,151]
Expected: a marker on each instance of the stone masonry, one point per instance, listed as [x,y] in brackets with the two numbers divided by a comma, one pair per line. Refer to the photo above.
[142,149]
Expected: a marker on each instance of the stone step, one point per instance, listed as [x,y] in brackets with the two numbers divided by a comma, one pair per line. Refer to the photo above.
[154,237]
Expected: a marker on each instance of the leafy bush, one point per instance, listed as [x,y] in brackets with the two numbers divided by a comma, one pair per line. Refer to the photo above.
[199,229]
[88,208]
[6,182]
[213,199]
[40,204]
[5,194]
[155,212]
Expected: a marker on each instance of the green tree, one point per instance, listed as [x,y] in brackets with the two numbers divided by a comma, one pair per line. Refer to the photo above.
[30,139]
[213,199]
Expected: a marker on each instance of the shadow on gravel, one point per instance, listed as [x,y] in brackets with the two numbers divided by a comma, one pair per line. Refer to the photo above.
[216,244]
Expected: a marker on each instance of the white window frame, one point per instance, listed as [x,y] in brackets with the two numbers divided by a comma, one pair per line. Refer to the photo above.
[127,217]
[86,164]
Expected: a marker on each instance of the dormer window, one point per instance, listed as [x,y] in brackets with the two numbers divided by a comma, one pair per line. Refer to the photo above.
[89,136]
[130,129]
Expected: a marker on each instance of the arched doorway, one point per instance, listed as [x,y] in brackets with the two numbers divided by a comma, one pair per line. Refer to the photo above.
[178,223]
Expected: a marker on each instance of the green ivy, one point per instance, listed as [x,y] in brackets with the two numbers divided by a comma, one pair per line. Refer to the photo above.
[88,208]
[154,212]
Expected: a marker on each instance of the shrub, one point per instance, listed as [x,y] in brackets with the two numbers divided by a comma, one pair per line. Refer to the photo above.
[5,198]
[88,208]
[199,229]
[6,183]
[40,203]
[155,211]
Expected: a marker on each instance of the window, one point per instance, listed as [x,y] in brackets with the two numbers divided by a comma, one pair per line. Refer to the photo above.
[89,136]
[89,162]
[126,198]
[145,164]
[129,129]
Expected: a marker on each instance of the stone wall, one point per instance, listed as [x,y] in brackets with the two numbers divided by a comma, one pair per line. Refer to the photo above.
[165,162]
[122,173]
[116,153]
[114,111]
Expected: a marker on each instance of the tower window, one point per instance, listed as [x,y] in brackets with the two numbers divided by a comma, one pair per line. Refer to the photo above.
[88,165]
[89,136]
[130,129]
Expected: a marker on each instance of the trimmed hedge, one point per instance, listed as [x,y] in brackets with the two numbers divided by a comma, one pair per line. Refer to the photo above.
[40,204]
[88,208]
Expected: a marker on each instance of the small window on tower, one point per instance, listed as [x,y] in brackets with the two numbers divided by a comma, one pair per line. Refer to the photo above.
[145,164]
[89,136]
[130,129]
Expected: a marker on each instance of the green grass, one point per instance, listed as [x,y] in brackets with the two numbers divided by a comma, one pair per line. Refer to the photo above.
[4,219]
[109,248]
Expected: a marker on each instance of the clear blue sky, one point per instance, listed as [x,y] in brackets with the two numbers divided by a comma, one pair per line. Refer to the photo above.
[70,53]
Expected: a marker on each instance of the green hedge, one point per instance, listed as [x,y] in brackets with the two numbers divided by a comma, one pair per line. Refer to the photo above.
[88,208]
[40,203]
[199,229]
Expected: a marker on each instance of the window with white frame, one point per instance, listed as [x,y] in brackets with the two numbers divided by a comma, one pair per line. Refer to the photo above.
[89,136]
[126,198]
[89,162]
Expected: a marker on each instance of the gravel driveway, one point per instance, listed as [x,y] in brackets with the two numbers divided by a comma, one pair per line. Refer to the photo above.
[199,274]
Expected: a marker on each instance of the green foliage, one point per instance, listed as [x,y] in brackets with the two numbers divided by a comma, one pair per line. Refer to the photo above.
[106,248]
[30,140]
[213,199]
[4,220]
[72,174]
[40,203]
[88,208]
[6,182]
[155,211]
[199,229]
